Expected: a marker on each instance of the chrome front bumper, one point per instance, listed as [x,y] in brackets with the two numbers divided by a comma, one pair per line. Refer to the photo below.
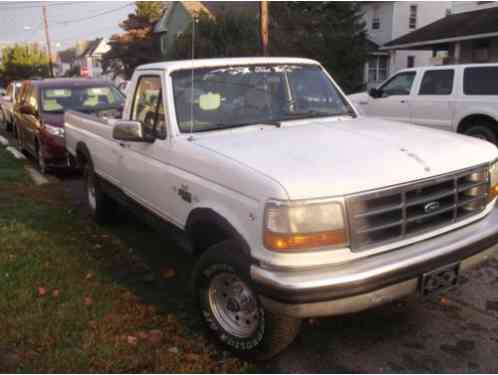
[377,279]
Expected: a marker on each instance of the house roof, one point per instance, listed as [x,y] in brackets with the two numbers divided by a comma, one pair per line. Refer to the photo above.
[90,47]
[461,26]
[211,8]
[67,55]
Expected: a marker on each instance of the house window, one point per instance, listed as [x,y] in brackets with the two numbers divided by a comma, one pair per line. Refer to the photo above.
[376,19]
[412,21]
[480,50]
[378,68]
[410,61]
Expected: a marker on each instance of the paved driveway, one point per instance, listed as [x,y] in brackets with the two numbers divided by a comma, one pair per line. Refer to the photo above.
[455,332]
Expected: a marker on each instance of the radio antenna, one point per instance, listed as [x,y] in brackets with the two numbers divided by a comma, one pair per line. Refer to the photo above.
[194,21]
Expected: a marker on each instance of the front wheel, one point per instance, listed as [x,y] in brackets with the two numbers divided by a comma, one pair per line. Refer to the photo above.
[18,138]
[42,164]
[101,207]
[231,308]
[482,131]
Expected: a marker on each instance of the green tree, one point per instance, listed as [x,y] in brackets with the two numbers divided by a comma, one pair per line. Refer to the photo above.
[136,45]
[228,35]
[24,62]
[330,32]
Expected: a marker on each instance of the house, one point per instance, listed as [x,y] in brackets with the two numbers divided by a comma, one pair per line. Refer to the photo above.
[388,20]
[65,61]
[89,57]
[469,34]
[178,16]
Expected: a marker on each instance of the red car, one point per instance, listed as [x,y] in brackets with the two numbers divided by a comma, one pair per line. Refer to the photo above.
[39,114]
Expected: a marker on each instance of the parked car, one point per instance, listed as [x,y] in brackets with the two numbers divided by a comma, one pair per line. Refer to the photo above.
[296,205]
[39,114]
[7,102]
[458,98]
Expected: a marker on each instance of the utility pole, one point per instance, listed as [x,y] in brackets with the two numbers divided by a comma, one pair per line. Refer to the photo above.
[263,26]
[47,37]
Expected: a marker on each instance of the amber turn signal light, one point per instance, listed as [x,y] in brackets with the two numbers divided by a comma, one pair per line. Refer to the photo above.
[298,241]
[493,192]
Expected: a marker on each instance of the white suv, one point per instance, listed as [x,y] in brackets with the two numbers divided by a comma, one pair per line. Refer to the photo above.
[460,98]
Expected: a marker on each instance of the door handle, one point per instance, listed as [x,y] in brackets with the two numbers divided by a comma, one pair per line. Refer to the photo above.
[402,101]
[124,145]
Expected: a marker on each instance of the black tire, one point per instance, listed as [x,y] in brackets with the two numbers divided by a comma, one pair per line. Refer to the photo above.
[100,206]
[272,333]
[41,162]
[17,137]
[483,130]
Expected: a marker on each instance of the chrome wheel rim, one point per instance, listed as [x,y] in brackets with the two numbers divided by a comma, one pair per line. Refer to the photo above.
[92,201]
[233,304]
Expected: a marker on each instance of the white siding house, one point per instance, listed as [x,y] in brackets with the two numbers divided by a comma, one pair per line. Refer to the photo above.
[389,20]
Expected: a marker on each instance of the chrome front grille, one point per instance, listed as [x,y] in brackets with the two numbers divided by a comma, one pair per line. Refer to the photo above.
[395,214]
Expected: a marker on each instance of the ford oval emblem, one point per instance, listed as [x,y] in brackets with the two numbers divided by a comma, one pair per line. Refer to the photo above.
[431,206]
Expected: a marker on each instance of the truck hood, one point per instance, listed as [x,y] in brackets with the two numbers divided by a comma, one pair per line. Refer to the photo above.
[340,156]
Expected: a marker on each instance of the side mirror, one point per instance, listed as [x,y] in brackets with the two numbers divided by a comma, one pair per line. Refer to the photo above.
[375,93]
[28,110]
[130,131]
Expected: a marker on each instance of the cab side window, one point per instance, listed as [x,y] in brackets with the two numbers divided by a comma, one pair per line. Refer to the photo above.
[148,107]
[400,84]
[437,82]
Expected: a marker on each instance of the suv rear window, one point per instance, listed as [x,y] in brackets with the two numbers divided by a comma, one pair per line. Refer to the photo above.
[481,80]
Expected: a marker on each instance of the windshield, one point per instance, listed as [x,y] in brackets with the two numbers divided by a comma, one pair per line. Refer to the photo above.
[84,99]
[246,95]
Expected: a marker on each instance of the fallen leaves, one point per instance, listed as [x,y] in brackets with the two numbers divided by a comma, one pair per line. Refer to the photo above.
[155,337]
[168,273]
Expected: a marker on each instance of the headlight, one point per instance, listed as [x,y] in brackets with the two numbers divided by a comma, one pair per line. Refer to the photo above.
[493,181]
[54,130]
[300,226]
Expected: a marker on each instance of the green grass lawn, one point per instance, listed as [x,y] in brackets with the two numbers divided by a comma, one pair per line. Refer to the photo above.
[62,308]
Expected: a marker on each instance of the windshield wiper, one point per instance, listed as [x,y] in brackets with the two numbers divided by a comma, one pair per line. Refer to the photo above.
[313,114]
[222,126]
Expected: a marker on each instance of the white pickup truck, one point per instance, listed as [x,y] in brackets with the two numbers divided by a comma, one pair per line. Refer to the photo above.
[295,205]
[458,98]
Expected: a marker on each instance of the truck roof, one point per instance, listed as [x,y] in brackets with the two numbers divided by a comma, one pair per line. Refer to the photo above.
[201,63]
[70,82]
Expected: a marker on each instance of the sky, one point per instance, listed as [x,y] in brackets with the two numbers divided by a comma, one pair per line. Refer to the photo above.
[68,21]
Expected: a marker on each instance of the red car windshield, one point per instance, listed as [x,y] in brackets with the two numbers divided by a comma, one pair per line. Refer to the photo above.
[85,99]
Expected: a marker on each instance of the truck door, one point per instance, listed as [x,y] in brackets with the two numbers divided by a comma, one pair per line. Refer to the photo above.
[432,104]
[394,101]
[144,168]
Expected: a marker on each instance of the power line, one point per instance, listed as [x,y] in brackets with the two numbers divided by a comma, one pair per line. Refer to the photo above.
[6,6]
[67,22]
